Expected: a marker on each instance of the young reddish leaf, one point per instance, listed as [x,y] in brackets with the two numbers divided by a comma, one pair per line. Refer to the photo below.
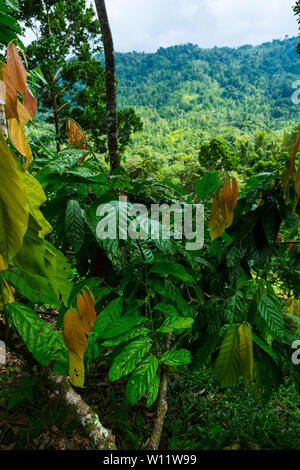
[29,102]
[10,96]
[76,328]
[76,137]
[16,68]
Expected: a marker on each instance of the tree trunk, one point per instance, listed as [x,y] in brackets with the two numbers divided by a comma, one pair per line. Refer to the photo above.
[162,405]
[3,126]
[111,87]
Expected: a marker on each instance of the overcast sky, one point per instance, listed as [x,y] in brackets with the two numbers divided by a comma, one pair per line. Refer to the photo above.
[146,25]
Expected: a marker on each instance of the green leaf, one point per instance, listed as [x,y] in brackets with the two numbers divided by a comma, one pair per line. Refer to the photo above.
[9,21]
[267,377]
[167,309]
[142,331]
[176,358]
[74,224]
[234,308]
[265,347]
[141,379]
[41,339]
[121,325]
[12,4]
[207,185]
[153,391]
[13,207]
[107,316]
[176,326]
[126,361]
[227,365]
[269,311]
[206,349]
[35,288]
[172,269]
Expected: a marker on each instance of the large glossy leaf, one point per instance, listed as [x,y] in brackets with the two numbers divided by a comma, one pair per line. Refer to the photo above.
[74,224]
[227,366]
[121,325]
[109,314]
[207,185]
[246,351]
[271,314]
[172,269]
[41,258]
[153,391]
[127,360]
[41,339]
[141,331]
[35,199]
[141,379]
[13,208]
[176,358]
[36,289]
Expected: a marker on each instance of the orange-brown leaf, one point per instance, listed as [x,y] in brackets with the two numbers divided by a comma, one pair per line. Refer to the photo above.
[17,134]
[76,137]
[15,68]
[30,103]
[10,95]
[224,203]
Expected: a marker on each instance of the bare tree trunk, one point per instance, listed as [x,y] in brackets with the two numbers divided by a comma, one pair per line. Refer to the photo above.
[3,126]
[111,87]
[162,406]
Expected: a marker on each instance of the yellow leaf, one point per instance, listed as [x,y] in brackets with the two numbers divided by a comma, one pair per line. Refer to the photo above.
[224,203]
[17,134]
[13,207]
[76,328]
[87,311]
[35,198]
[246,351]
[76,341]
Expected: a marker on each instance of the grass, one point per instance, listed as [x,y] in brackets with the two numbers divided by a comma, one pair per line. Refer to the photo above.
[200,416]
[32,417]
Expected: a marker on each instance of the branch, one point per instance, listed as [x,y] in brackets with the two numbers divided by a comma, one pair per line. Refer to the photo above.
[69,101]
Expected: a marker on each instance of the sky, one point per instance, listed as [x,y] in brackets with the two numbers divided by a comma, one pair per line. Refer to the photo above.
[146,25]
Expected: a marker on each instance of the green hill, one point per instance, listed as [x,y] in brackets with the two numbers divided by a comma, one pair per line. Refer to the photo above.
[186,94]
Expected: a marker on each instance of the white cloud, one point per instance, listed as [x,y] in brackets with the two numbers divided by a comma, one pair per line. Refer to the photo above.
[146,25]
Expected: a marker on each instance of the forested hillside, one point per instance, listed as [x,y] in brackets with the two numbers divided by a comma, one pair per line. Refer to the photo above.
[149,271]
[187,95]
